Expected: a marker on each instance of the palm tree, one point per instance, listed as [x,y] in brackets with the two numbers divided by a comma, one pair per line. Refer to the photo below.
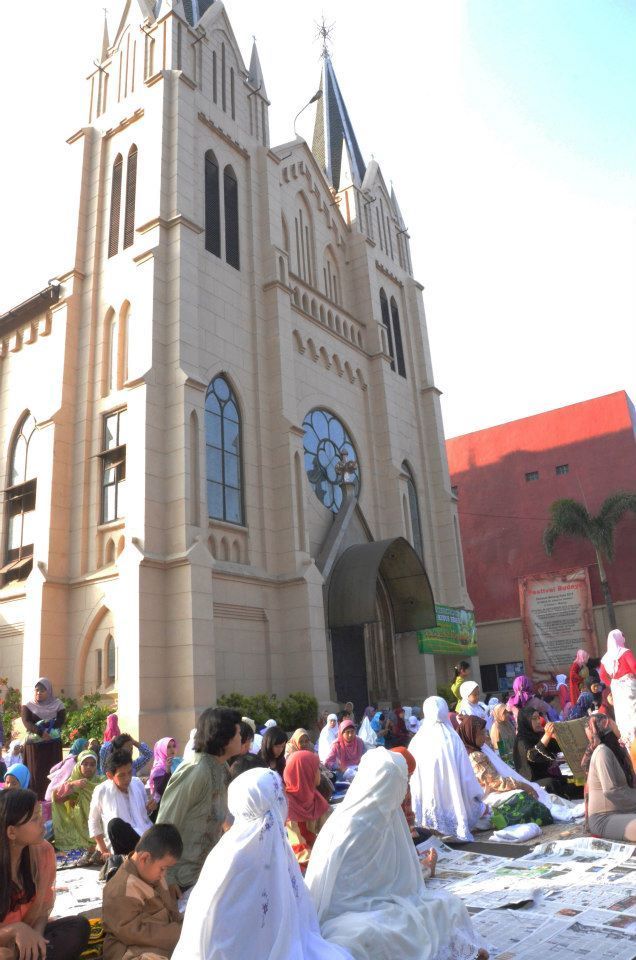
[569,518]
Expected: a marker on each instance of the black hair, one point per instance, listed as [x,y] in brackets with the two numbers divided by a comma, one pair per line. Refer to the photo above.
[120,741]
[215,728]
[115,760]
[273,737]
[246,732]
[161,840]
[16,808]
[248,761]
[343,715]
[462,665]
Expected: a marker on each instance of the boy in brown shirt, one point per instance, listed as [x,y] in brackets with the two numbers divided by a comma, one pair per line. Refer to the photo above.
[140,914]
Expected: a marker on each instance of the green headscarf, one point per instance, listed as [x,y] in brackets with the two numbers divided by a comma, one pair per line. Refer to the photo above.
[70,816]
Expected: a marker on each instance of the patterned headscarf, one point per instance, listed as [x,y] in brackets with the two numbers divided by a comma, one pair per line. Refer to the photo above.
[523,690]
[581,707]
[599,730]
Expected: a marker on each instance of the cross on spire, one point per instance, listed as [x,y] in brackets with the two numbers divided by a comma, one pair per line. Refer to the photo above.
[325,32]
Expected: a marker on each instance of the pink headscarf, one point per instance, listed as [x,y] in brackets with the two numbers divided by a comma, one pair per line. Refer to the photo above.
[615,649]
[523,691]
[303,800]
[582,656]
[350,753]
[161,764]
[112,728]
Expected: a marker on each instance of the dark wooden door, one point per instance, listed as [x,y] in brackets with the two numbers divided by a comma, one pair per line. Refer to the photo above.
[350,666]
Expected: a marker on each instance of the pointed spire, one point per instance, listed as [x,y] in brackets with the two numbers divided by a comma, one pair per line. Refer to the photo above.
[105,41]
[396,209]
[333,131]
[255,75]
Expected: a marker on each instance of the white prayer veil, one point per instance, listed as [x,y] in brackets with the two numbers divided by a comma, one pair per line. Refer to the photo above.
[327,736]
[366,881]
[250,901]
[445,793]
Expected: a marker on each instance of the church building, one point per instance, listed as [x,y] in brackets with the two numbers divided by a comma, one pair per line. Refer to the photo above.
[221,442]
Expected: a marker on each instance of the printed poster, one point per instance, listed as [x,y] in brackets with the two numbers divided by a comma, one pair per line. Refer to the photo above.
[557,619]
[455,633]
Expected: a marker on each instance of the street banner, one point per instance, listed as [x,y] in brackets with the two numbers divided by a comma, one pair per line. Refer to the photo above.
[454,634]
[557,620]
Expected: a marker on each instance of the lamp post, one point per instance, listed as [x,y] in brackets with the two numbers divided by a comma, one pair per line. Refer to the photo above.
[317,96]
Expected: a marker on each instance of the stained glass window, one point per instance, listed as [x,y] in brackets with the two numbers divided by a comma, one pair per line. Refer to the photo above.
[223,453]
[325,439]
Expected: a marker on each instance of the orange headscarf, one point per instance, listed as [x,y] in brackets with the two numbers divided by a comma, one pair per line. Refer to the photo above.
[410,759]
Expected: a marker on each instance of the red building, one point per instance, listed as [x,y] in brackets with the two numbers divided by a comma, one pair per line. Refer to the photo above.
[505,479]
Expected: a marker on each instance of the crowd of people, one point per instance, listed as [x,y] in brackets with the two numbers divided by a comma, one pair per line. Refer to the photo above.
[273,846]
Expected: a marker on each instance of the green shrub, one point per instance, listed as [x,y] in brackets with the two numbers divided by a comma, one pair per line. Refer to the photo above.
[447,694]
[85,720]
[11,707]
[296,710]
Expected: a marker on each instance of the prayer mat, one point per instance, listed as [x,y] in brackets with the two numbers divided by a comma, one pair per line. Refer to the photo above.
[95,941]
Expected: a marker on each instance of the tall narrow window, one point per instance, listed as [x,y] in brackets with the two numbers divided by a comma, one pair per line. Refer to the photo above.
[223,96]
[397,337]
[111,660]
[113,354]
[230,196]
[214,88]
[115,204]
[223,453]
[212,206]
[113,459]
[232,103]
[20,502]
[386,322]
[131,191]
[414,510]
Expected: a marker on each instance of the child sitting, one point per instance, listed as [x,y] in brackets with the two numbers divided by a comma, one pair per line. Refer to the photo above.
[140,912]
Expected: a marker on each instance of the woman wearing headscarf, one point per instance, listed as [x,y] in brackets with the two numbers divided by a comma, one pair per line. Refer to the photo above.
[328,734]
[161,771]
[250,901]
[469,704]
[578,673]
[17,777]
[523,695]
[446,795]
[299,740]
[307,808]
[618,671]
[43,717]
[60,773]
[347,750]
[71,806]
[611,797]
[366,880]
[512,799]
[502,732]
[112,728]
[563,690]
[397,735]
[535,753]
[583,706]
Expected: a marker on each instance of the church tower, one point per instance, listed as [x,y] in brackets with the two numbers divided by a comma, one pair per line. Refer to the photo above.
[240,481]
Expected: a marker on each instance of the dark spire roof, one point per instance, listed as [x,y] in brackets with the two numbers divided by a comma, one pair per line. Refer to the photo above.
[194,9]
[333,130]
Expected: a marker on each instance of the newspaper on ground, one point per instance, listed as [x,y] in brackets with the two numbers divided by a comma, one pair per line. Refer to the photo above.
[78,891]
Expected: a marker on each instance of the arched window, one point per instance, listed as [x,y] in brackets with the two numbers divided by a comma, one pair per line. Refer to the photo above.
[285,234]
[330,457]
[115,204]
[131,191]
[212,206]
[230,196]
[414,511]
[397,338]
[304,231]
[232,103]
[386,322]
[223,453]
[20,502]
[111,661]
[113,354]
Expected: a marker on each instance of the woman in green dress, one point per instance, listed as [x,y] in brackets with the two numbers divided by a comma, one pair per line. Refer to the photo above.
[71,805]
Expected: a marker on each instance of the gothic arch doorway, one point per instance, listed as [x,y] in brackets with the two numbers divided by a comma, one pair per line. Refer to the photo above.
[376,590]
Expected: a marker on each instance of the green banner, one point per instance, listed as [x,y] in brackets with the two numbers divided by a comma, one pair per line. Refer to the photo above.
[455,633]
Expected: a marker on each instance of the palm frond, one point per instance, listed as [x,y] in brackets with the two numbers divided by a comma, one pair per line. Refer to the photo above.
[568,518]
[615,507]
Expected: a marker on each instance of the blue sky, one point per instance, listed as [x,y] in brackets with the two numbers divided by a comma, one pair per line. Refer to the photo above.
[507,128]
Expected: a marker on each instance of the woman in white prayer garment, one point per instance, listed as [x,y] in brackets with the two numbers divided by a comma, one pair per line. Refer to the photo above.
[250,901]
[366,881]
[445,793]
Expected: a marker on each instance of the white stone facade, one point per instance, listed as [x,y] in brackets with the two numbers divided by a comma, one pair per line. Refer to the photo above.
[194,607]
